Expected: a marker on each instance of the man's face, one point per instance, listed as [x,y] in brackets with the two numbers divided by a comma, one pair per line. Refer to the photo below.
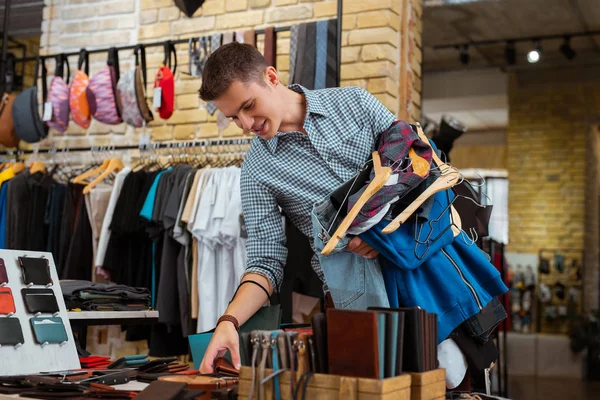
[253,107]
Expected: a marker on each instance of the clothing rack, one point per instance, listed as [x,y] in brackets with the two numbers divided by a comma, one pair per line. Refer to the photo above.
[142,147]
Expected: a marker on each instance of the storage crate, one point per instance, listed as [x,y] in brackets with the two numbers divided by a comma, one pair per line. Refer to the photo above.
[429,385]
[333,387]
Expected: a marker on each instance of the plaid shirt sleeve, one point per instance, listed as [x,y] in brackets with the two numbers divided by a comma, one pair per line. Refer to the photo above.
[376,116]
[266,236]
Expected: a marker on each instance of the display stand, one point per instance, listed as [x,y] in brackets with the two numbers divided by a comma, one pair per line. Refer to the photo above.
[32,356]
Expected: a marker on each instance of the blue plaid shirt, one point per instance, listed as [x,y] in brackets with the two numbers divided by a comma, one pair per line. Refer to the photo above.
[293,171]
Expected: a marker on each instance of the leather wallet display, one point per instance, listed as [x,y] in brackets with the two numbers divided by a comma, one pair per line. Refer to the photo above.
[350,329]
[7,302]
[10,332]
[35,271]
[135,360]
[40,301]
[48,330]
[3,274]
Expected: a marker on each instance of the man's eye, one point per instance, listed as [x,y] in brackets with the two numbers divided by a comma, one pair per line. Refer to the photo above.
[249,106]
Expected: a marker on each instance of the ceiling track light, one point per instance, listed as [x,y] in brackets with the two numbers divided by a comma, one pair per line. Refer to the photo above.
[567,50]
[510,53]
[464,56]
[534,55]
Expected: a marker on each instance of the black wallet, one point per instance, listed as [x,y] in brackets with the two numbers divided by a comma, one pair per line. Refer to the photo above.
[40,301]
[35,271]
[3,274]
[10,332]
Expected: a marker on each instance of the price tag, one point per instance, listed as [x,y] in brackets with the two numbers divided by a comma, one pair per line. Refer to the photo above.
[157,99]
[47,111]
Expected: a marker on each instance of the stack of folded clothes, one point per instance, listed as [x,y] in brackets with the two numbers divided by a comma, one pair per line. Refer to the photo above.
[90,296]
[94,362]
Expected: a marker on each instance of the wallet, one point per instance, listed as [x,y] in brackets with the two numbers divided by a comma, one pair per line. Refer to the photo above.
[3,274]
[35,271]
[147,365]
[39,301]
[7,302]
[50,330]
[162,390]
[10,332]
[223,366]
[349,329]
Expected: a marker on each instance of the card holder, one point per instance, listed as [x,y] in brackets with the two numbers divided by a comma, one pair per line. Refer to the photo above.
[40,301]
[35,271]
[11,332]
[7,302]
[3,273]
[48,330]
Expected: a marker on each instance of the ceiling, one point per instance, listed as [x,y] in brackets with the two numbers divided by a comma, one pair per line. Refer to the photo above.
[453,22]
[476,93]
[25,18]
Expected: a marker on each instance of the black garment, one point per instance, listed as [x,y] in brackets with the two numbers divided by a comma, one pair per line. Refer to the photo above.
[80,258]
[69,214]
[53,217]
[18,206]
[36,227]
[298,274]
[332,53]
[306,55]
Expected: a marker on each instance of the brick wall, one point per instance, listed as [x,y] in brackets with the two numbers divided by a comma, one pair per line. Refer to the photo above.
[548,146]
[381,50]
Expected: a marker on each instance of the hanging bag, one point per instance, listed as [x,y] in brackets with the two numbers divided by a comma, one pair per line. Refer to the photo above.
[26,114]
[58,96]
[132,94]
[78,101]
[8,136]
[164,84]
[102,91]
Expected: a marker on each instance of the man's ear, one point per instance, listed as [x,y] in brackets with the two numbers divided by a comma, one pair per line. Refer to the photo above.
[271,76]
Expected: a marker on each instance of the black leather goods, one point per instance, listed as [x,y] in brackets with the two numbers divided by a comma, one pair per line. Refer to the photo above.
[162,390]
[319,325]
[26,114]
[35,271]
[10,331]
[40,301]
[3,274]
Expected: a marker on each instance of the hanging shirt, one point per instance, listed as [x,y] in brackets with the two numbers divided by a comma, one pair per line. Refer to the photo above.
[104,237]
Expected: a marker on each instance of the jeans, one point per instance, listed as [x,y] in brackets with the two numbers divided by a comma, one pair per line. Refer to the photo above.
[482,325]
[353,281]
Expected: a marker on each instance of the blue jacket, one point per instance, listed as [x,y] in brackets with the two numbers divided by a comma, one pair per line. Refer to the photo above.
[443,274]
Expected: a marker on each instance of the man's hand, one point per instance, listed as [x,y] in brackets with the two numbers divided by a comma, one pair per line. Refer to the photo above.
[224,338]
[360,247]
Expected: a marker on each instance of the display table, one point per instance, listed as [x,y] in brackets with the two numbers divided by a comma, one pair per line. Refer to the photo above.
[80,320]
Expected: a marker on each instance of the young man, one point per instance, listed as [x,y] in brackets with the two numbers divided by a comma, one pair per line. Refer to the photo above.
[308,143]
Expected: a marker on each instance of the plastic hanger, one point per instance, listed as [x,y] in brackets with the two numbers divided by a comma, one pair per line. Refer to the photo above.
[114,165]
[382,174]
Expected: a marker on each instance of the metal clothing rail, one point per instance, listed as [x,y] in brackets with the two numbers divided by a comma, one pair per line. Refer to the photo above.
[141,147]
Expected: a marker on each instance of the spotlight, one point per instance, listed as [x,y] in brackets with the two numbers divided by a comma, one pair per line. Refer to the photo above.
[465,58]
[567,50]
[534,55]
[510,53]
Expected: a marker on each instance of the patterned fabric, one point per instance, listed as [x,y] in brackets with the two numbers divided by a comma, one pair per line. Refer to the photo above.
[293,50]
[215,43]
[80,109]
[126,92]
[393,147]
[101,98]
[321,55]
[295,170]
[58,95]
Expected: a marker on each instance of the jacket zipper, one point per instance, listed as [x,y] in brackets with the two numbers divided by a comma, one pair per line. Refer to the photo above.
[464,279]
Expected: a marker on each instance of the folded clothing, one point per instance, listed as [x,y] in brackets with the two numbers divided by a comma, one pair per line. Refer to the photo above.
[91,296]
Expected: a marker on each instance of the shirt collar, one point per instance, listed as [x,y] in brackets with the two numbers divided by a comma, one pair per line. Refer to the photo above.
[314,105]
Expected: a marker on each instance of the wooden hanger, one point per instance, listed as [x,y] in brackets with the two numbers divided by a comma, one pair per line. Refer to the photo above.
[82,177]
[449,178]
[18,167]
[382,174]
[37,166]
[114,165]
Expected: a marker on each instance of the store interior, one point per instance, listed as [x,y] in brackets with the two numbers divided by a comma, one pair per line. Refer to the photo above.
[127,185]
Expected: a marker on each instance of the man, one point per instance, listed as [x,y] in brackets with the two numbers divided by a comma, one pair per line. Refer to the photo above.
[308,143]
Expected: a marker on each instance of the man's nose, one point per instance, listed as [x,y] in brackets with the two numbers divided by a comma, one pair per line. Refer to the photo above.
[246,121]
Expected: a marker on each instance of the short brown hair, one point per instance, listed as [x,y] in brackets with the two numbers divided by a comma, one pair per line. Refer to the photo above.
[230,62]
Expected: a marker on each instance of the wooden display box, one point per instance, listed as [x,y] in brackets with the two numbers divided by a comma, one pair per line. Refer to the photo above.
[333,387]
[429,385]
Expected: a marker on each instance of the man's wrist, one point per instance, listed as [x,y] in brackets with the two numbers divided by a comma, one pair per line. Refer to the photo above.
[229,318]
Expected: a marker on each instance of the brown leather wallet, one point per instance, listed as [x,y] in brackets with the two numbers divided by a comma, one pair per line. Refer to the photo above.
[223,366]
[201,382]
